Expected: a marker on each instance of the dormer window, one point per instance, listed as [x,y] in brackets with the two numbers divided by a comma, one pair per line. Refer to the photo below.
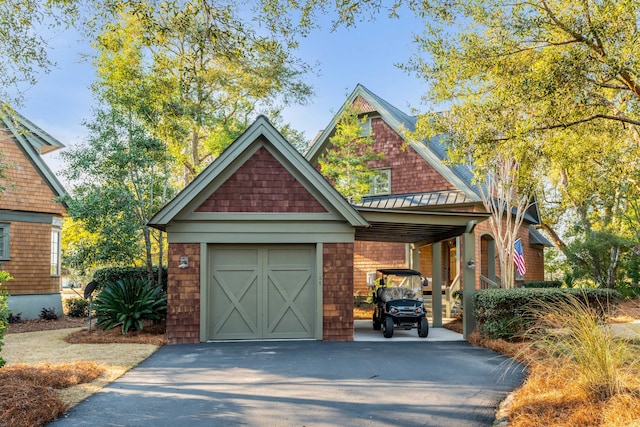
[380,183]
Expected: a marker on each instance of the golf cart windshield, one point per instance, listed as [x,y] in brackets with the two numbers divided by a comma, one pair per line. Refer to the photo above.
[401,284]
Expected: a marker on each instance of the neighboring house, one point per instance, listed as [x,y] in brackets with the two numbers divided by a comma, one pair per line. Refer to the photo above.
[30,220]
[415,177]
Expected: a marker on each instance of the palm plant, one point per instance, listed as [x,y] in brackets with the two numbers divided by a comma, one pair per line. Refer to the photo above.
[128,303]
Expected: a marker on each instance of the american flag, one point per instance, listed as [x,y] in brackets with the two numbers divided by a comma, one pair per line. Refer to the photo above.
[518,257]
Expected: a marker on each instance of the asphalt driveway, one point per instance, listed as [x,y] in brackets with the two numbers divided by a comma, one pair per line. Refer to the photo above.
[306,383]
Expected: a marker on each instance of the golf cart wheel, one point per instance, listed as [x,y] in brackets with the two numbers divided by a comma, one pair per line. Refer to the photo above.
[388,327]
[423,328]
[376,322]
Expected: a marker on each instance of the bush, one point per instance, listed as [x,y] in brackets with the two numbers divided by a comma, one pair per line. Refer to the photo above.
[4,316]
[113,274]
[15,318]
[628,291]
[77,307]
[506,313]
[128,303]
[542,284]
[48,314]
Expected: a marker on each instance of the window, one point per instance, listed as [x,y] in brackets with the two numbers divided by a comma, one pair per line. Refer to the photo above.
[365,128]
[380,183]
[4,242]
[55,252]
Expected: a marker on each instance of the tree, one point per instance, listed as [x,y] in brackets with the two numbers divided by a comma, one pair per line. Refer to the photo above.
[193,73]
[24,41]
[346,163]
[120,180]
[543,79]
[508,203]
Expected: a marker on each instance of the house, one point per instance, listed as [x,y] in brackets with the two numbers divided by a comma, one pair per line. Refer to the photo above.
[414,176]
[261,246]
[30,220]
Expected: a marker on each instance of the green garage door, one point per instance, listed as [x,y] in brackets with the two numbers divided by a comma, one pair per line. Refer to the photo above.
[262,292]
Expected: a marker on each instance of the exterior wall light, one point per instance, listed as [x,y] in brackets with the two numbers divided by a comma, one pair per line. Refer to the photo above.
[471,264]
[184,262]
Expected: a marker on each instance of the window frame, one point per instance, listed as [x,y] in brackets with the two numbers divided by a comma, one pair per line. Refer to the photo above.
[56,257]
[5,235]
[373,185]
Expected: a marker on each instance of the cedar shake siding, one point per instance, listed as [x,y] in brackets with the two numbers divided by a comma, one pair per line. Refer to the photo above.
[337,292]
[410,173]
[262,184]
[183,295]
[370,256]
[26,188]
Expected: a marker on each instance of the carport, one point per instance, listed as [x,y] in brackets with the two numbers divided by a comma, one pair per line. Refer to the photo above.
[261,247]
[419,228]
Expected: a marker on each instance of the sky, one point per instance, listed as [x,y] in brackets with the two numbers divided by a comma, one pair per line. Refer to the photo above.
[366,54]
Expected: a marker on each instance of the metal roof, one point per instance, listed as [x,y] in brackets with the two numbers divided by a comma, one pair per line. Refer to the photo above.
[415,200]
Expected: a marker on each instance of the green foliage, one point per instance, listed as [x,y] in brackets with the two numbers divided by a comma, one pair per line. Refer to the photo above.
[570,330]
[506,313]
[128,303]
[347,163]
[113,274]
[48,314]
[4,318]
[597,255]
[24,41]
[627,290]
[543,284]
[77,307]
[193,90]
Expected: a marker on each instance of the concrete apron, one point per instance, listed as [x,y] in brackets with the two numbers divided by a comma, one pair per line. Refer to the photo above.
[363,332]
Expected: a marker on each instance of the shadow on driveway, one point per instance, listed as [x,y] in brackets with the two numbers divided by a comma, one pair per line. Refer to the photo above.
[306,383]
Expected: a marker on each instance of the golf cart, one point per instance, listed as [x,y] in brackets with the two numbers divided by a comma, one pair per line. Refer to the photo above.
[397,295]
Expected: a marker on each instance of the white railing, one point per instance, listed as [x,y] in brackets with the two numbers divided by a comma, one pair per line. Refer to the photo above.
[448,295]
[486,283]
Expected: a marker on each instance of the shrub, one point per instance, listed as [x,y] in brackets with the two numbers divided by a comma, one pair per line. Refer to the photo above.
[4,315]
[627,290]
[128,303]
[543,284]
[113,274]
[15,318]
[505,313]
[77,307]
[48,314]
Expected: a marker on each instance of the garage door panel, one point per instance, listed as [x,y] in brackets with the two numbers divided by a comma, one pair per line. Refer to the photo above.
[291,303]
[263,292]
[235,298]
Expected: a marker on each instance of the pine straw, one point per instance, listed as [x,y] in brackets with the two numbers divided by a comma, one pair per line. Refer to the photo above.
[28,395]
[151,334]
[551,397]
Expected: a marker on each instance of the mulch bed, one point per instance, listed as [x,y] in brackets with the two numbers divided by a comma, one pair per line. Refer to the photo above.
[63,322]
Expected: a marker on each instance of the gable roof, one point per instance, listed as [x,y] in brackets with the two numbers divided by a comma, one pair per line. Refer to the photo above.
[33,141]
[433,151]
[260,132]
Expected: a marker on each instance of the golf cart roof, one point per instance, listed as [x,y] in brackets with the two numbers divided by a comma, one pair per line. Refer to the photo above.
[400,271]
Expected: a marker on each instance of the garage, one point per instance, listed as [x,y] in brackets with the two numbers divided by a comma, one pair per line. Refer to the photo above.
[262,292]
[261,246]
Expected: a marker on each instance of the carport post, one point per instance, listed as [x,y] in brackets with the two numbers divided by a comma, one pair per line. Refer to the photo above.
[436,284]
[468,281]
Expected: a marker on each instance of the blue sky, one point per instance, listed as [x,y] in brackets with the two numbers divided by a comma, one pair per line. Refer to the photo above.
[366,54]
